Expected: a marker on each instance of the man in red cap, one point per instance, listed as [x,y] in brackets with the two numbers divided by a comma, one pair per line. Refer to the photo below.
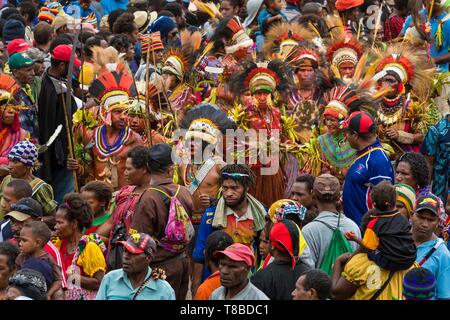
[51,114]
[136,280]
[234,266]
[370,167]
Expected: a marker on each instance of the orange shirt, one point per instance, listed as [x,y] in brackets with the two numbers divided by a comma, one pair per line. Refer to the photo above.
[208,286]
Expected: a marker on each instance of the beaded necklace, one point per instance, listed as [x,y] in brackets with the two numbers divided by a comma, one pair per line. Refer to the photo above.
[102,145]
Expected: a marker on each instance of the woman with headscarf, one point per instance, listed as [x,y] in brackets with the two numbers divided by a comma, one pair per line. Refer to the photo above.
[278,279]
[10,131]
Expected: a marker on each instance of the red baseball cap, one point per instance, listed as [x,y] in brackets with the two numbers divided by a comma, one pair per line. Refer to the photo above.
[360,122]
[63,53]
[17,45]
[238,252]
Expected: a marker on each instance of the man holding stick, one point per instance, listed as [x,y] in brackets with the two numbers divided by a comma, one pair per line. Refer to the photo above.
[51,113]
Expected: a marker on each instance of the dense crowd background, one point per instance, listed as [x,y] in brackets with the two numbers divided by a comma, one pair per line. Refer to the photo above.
[116,116]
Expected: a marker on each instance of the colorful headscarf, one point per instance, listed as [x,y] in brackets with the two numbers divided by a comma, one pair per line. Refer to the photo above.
[287,237]
[406,195]
[25,152]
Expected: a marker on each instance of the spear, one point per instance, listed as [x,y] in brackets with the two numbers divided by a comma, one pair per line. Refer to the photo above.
[147,98]
[377,24]
[68,102]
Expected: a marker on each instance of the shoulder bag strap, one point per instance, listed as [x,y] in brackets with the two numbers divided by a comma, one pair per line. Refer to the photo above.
[380,291]
[141,287]
[430,253]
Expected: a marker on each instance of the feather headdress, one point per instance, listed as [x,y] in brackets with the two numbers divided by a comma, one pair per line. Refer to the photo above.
[206,122]
[282,37]
[410,65]
[179,61]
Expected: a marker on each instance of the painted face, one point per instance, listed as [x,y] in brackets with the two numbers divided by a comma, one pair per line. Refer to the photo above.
[332,124]
[389,81]
[347,69]
[262,98]
[305,75]
[403,174]
[232,273]
[118,119]
[136,123]
[8,116]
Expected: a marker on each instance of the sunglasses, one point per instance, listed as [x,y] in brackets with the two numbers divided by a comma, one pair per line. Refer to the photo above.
[234,176]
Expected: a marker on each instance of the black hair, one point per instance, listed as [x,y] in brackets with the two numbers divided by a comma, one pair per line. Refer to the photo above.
[9,12]
[77,209]
[43,33]
[383,196]
[159,158]
[236,3]
[18,17]
[166,13]
[102,190]
[22,188]
[11,251]
[318,280]
[247,181]
[104,35]
[28,7]
[40,230]
[85,35]
[319,23]
[91,42]
[55,63]
[61,39]
[139,156]
[124,24]
[112,17]
[419,167]
[175,8]
[306,179]
[217,241]
[121,42]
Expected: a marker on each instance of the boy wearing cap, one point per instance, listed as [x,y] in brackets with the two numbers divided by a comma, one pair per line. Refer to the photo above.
[370,167]
[431,250]
[50,115]
[22,69]
[234,266]
[136,280]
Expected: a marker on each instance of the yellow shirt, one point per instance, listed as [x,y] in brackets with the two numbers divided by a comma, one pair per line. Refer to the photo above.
[369,277]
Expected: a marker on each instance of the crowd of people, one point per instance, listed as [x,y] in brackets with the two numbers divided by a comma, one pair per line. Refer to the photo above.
[224,150]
